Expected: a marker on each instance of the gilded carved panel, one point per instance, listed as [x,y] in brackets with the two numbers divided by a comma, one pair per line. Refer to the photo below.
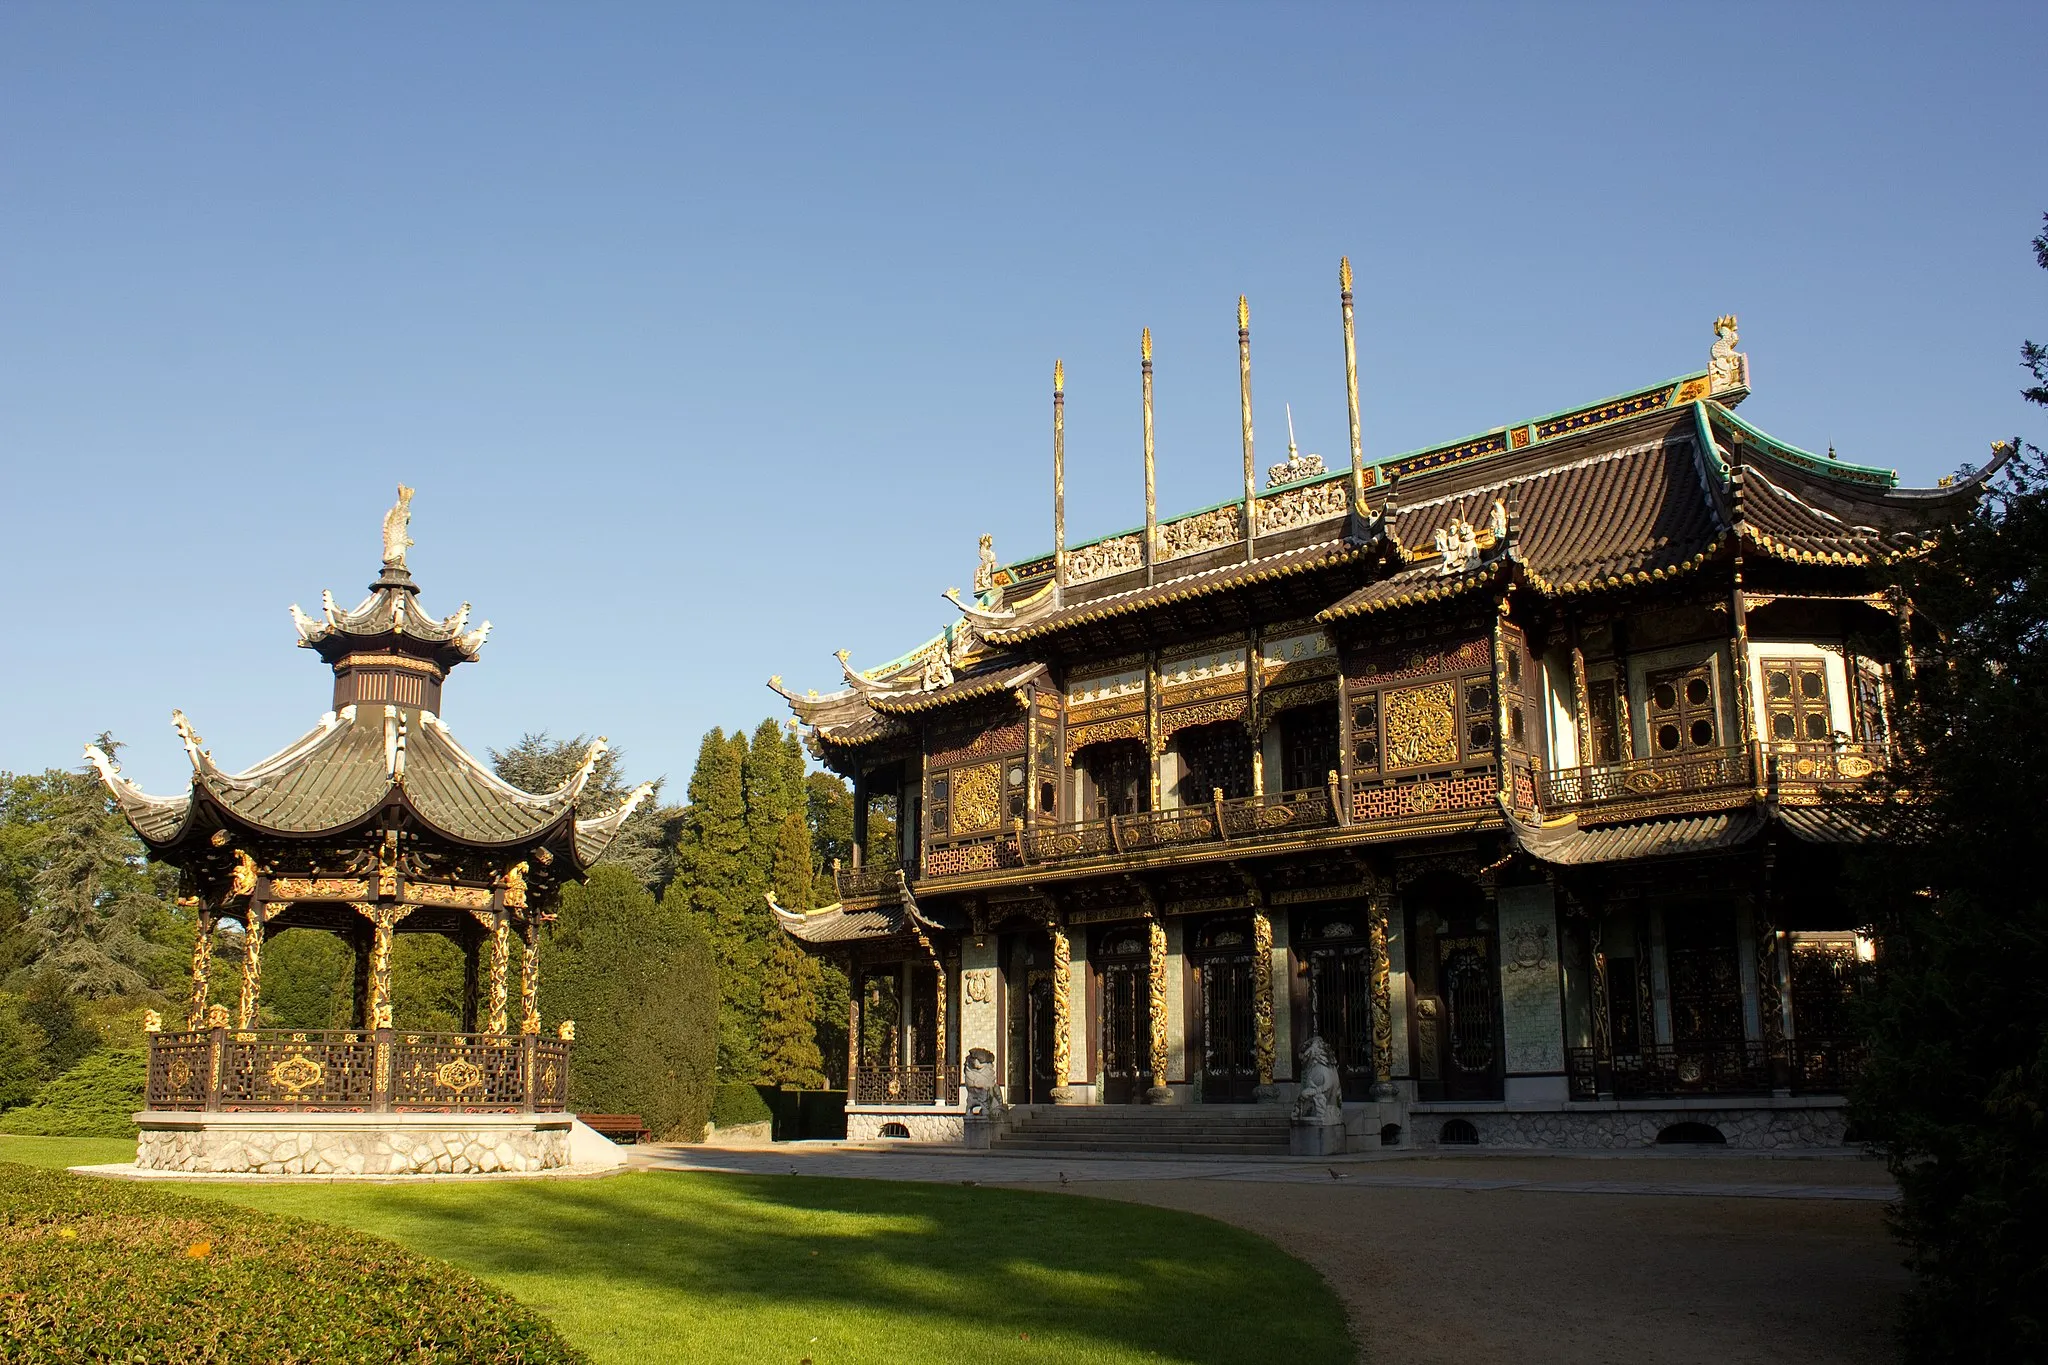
[1421,725]
[977,797]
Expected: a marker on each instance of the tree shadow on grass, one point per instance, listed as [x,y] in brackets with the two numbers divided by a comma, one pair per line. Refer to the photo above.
[709,1266]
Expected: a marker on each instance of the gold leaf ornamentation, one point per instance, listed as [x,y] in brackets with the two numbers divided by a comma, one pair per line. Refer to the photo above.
[460,1075]
[317,888]
[1422,725]
[977,797]
[297,1074]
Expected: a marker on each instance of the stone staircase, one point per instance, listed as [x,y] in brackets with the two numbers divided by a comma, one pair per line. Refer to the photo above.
[1188,1130]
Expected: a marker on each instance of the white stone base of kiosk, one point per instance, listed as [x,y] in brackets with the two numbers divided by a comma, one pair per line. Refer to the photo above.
[351,1144]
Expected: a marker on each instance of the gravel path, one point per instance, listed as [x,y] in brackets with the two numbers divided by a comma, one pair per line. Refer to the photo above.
[1490,1257]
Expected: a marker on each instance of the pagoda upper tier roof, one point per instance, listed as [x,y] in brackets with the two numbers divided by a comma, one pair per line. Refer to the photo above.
[355,763]
[1637,489]
[390,615]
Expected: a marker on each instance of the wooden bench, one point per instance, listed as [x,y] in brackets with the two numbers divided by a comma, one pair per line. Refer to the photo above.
[618,1127]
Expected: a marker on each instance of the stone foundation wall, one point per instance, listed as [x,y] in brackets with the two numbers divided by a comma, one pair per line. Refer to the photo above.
[923,1125]
[284,1148]
[1755,1129]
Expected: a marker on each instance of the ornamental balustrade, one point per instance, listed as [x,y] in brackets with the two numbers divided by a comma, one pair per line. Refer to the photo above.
[356,1071]
[1642,779]
[1245,819]
[1670,1071]
[1805,771]
[858,882]
[904,1084]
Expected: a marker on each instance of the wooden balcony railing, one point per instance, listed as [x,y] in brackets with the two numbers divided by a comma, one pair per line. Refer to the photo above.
[1246,819]
[1647,778]
[360,1070]
[874,880]
[1796,771]
[904,1085]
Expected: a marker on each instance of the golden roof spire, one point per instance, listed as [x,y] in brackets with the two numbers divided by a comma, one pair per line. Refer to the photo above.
[1059,376]
[1145,345]
[1344,273]
[1244,313]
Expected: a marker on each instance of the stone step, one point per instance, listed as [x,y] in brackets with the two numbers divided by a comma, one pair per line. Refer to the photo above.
[1170,1148]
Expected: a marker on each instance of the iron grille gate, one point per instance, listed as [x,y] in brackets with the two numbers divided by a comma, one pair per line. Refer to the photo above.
[1230,1064]
[1340,1000]
[1126,1032]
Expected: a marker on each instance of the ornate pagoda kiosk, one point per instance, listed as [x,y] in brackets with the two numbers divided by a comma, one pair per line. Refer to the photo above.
[1496,792]
[374,823]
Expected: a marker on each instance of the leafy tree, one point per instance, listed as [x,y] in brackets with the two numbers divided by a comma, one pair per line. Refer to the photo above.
[309,980]
[91,899]
[1956,1086]
[829,811]
[715,879]
[791,979]
[639,980]
[646,846]
[22,1048]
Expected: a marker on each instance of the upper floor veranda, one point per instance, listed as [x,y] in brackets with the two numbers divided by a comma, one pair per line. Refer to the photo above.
[1643,607]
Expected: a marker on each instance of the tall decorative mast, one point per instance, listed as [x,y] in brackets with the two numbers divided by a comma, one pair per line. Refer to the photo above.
[1059,480]
[1351,389]
[1151,504]
[1244,391]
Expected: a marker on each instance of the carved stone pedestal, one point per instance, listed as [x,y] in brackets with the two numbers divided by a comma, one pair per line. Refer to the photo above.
[1312,1138]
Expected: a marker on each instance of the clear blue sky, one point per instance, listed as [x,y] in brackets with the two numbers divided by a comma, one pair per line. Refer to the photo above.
[712,340]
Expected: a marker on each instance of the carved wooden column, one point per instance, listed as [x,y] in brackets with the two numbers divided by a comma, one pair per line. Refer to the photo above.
[1262,995]
[202,969]
[1382,1002]
[1155,975]
[501,962]
[853,989]
[252,966]
[529,981]
[1062,1042]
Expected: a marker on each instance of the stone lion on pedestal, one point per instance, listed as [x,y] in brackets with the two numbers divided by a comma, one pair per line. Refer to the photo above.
[978,1079]
[1321,1099]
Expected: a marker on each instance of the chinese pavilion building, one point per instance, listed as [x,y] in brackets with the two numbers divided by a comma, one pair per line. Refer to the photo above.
[374,823]
[1517,771]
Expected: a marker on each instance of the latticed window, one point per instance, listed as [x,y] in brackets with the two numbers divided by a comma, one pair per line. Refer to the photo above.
[1796,699]
[1308,746]
[1118,778]
[1603,714]
[1682,713]
[1214,756]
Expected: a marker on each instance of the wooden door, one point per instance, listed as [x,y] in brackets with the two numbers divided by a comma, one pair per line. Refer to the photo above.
[1456,1020]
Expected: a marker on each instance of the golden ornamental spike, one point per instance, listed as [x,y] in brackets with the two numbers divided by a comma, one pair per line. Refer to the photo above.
[1244,313]
[1146,344]
[1059,376]
[1344,273]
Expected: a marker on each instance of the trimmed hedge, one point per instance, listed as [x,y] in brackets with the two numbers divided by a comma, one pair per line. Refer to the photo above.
[737,1102]
[95,1098]
[95,1269]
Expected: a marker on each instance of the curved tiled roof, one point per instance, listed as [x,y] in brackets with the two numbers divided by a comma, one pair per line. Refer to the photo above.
[352,764]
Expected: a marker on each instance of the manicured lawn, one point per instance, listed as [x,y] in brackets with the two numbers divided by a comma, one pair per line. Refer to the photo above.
[701,1267]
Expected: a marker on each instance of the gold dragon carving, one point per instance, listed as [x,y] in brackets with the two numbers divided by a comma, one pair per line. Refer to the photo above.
[1421,725]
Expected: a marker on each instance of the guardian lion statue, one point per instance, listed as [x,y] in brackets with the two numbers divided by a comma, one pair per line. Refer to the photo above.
[978,1078]
[1321,1099]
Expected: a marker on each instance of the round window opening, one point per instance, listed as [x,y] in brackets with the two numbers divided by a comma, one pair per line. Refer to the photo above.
[1702,733]
[1665,696]
[1667,737]
[1696,691]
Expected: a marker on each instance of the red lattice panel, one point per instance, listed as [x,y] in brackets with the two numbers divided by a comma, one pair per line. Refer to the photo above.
[1008,739]
[965,858]
[1471,792]
[1390,662]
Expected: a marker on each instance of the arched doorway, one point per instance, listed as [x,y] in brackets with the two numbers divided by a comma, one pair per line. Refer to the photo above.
[1454,960]
[1225,985]
[1124,1008]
